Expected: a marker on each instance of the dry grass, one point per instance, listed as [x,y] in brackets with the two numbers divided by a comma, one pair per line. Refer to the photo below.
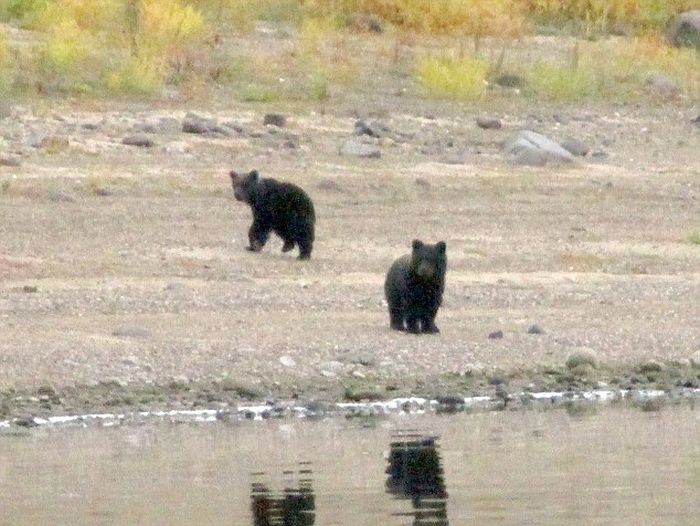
[141,46]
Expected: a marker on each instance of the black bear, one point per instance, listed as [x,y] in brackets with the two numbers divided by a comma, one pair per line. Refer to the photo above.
[283,208]
[414,287]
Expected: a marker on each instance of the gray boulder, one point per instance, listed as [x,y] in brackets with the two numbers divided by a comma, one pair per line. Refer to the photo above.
[663,84]
[575,147]
[355,148]
[139,139]
[685,30]
[529,148]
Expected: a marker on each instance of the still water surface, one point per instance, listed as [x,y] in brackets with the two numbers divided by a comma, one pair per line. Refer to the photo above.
[616,465]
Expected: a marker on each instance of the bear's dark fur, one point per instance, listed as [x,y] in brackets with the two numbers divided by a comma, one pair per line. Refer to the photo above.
[414,287]
[283,208]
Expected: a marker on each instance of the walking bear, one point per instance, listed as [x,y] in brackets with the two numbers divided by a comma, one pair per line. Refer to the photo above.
[414,287]
[283,208]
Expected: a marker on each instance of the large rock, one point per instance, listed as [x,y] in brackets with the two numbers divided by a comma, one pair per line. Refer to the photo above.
[355,148]
[663,84]
[685,30]
[528,148]
[575,147]
[197,124]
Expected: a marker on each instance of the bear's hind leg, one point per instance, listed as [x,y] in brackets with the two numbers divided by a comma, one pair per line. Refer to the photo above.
[288,245]
[305,246]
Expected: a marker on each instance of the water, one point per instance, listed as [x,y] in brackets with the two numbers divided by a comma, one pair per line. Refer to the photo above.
[612,465]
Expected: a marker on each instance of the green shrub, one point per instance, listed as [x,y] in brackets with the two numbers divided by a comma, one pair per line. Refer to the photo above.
[452,77]
[558,81]
[138,75]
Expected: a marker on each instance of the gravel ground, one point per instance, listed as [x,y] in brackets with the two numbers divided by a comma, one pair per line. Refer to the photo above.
[123,269]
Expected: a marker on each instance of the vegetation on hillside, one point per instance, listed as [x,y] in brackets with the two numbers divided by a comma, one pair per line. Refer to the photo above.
[141,47]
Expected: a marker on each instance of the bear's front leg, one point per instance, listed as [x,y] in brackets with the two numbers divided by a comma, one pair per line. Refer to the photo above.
[429,326]
[257,236]
[412,324]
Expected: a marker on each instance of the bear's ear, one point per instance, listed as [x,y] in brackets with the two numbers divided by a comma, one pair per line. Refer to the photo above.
[417,243]
[253,175]
[233,175]
[442,247]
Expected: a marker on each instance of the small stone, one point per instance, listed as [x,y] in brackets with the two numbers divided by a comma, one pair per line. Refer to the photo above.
[30,289]
[328,374]
[582,356]
[287,361]
[372,129]
[489,123]
[421,181]
[130,360]
[495,335]
[358,374]
[103,191]
[508,80]
[196,124]
[140,140]
[534,329]
[275,119]
[25,421]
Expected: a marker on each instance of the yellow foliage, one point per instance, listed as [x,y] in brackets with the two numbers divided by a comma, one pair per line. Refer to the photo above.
[451,77]
[138,75]
[166,25]
[66,47]
[3,49]
[88,15]
[473,17]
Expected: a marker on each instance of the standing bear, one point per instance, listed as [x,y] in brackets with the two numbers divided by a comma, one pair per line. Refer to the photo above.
[283,208]
[414,287]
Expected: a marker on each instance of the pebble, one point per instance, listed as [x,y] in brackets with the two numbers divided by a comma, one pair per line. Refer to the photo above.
[534,329]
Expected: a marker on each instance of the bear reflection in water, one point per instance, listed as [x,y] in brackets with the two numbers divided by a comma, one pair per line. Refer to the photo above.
[294,507]
[415,472]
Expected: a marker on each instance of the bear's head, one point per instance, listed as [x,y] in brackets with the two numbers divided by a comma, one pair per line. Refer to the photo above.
[244,185]
[429,262]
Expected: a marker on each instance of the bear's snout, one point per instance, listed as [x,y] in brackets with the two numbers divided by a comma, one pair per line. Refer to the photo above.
[425,270]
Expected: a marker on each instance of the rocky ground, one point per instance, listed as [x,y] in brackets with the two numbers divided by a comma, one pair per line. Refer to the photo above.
[124,281]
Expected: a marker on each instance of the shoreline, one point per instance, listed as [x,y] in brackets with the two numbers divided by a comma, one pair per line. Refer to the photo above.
[576,402]
[227,395]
